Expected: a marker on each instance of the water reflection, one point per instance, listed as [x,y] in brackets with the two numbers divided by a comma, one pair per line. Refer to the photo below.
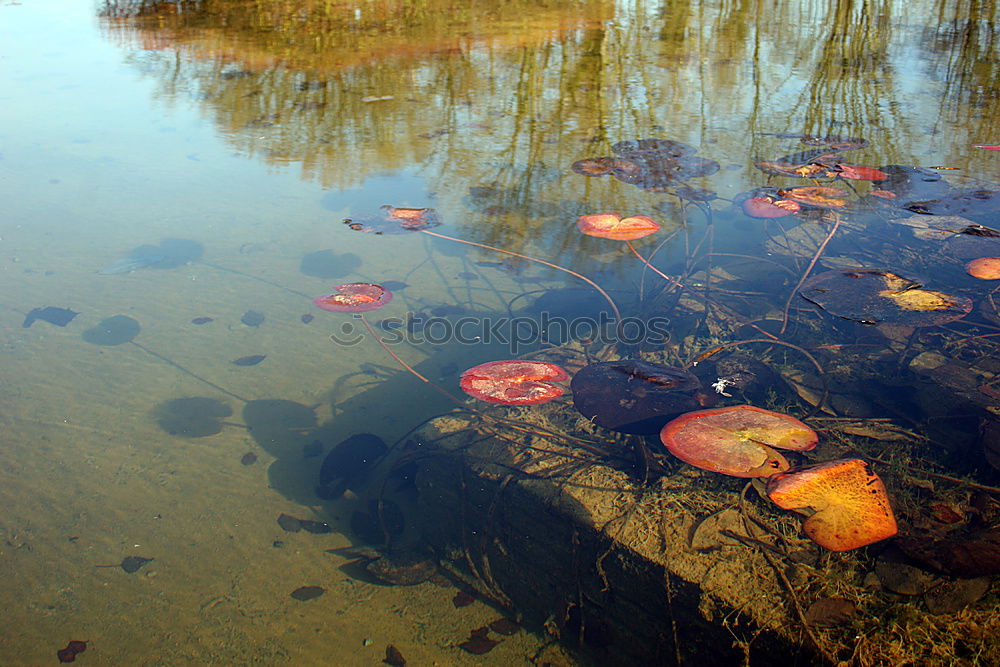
[479,96]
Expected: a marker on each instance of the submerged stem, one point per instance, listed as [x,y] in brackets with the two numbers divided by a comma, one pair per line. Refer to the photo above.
[819,253]
[607,297]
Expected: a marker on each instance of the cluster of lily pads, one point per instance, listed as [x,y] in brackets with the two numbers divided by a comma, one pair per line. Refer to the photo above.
[849,503]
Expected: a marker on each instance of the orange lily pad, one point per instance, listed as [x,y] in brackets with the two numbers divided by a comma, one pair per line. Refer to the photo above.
[850,502]
[739,440]
[816,195]
[613,226]
[984,268]
[354,298]
[514,382]
[769,207]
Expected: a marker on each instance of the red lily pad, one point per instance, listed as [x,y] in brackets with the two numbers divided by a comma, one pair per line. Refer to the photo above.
[856,173]
[354,298]
[739,440]
[514,382]
[613,226]
[769,207]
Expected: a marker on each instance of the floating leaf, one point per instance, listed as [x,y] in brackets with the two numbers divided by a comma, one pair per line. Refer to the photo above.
[601,166]
[354,298]
[856,173]
[769,207]
[871,296]
[968,203]
[651,164]
[613,226]
[883,194]
[514,382]
[984,268]
[739,440]
[815,195]
[646,148]
[809,170]
[835,142]
[806,164]
[395,220]
[633,396]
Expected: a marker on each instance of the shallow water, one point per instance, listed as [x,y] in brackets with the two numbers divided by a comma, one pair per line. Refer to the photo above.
[236,137]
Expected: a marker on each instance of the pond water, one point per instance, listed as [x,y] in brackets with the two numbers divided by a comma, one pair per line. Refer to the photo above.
[176,177]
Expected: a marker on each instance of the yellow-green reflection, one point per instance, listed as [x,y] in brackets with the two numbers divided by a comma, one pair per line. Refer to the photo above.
[503,97]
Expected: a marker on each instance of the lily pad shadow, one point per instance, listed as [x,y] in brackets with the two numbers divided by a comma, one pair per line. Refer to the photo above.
[194,417]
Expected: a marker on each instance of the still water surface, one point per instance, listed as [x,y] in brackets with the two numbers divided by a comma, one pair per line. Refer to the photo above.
[166,162]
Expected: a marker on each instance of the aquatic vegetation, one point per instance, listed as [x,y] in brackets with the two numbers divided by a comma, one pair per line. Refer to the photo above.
[984,268]
[514,382]
[851,504]
[422,219]
[395,220]
[739,440]
[624,394]
[613,226]
[876,295]
[655,165]
[633,396]
[768,206]
[858,173]
[354,298]
[818,196]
